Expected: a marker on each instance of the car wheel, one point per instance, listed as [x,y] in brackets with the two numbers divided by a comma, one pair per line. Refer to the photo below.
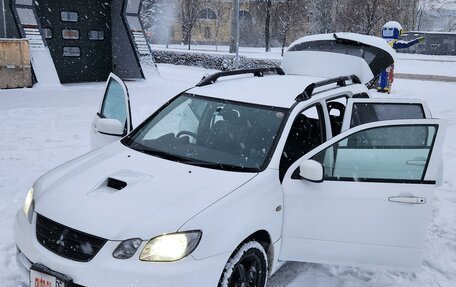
[247,267]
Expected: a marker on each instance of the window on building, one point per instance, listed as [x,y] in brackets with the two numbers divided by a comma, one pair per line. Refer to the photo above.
[47,32]
[26,16]
[70,34]
[244,15]
[208,14]
[96,35]
[207,32]
[69,16]
[71,51]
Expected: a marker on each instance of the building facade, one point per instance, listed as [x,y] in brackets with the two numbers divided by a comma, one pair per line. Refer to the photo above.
[82,40]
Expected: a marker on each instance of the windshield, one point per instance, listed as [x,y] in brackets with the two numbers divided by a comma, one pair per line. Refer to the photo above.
[210,132]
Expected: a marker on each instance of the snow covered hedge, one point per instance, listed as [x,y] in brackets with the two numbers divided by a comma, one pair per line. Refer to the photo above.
[209,61]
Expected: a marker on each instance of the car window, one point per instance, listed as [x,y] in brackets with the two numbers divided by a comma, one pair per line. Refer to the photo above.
[114,103]
[307,132]
[364,113]
[211,132]
[395,153]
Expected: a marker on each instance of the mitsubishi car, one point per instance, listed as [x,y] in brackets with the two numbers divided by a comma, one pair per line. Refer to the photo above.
[233,177]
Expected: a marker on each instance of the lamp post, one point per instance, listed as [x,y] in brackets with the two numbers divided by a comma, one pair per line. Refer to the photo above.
[4,19]
[236,10]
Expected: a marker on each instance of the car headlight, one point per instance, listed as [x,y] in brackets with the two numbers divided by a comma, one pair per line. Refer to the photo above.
[127,248]
[170,247]
[29,205]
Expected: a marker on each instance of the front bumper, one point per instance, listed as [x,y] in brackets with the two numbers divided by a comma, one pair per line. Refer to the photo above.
[104,270]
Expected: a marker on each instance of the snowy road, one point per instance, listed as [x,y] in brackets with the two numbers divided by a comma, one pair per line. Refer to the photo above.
[42,128]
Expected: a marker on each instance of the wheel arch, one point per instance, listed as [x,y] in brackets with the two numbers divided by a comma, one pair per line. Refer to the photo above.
[264,238]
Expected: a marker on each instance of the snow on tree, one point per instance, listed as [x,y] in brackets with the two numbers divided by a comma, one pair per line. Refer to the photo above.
[321,16]
[189,14]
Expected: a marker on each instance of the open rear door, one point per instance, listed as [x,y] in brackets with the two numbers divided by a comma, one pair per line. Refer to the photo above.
[113,119]
[367,110]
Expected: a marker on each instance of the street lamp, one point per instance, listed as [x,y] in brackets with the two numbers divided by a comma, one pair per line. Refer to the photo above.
[4,19]
[237,10]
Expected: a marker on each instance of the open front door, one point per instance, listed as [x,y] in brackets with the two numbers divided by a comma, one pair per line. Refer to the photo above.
[113,119]
[367,110]
[374,202]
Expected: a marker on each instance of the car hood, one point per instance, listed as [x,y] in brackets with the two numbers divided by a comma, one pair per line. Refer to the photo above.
[159,196]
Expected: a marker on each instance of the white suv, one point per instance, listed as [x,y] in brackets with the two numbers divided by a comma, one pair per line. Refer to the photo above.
[239,174]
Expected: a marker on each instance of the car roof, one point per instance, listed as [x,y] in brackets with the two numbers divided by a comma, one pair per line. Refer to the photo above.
[270,90]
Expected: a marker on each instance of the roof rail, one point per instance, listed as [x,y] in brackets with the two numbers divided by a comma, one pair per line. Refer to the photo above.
[340,81]
[259,72]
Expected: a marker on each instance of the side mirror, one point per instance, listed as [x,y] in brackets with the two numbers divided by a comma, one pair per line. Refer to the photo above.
[110,127]
[311,170]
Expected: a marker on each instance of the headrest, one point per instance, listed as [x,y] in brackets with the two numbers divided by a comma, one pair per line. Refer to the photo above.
[229,115]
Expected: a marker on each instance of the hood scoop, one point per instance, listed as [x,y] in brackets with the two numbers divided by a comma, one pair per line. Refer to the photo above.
[121,180]
[115,183]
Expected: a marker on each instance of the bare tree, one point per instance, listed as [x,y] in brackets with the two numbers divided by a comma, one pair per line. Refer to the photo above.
[222,10]
[321,16]
[233,27]
[436,15]
[289,16]
[158,17]
[366,17]
[189,13]
[267,26]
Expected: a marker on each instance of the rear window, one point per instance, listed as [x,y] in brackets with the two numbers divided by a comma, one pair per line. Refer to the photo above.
[364,113]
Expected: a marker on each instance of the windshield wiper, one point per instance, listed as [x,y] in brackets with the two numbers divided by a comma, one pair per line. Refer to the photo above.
[157,153]
[221,166]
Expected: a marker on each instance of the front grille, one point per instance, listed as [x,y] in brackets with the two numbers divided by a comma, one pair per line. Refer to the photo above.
[67,242]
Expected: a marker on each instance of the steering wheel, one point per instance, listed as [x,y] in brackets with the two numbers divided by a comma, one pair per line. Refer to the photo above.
[188,133]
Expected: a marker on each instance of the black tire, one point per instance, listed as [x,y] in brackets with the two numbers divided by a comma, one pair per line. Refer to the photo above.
[247,267]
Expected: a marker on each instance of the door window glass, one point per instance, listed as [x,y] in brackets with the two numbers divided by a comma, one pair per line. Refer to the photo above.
[395,153]
[114,105]
[364,113]
[307,132]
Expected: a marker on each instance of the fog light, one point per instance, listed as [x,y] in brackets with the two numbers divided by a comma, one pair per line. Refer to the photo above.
[127,248]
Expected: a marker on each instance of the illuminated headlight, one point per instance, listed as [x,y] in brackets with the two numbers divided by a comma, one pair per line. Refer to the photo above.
[127,248]
[170,247]
[29,205]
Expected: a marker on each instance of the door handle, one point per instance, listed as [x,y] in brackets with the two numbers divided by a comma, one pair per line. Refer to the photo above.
[416,162]
[407,199]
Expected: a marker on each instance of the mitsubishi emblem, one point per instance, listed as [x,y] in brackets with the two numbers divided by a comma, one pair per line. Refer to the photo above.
[61,241]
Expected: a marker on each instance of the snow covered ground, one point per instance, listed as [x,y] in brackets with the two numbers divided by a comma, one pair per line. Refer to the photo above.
[44,127]
[406,63]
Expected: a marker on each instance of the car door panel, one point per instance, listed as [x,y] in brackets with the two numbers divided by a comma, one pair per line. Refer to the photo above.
[373,207]
[115,105]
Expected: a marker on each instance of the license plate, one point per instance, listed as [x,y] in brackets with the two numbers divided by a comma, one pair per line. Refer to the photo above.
[43,277]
